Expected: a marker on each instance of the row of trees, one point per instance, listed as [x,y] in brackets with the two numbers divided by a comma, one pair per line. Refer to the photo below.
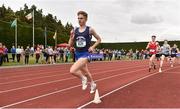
[133,45]
[7,15]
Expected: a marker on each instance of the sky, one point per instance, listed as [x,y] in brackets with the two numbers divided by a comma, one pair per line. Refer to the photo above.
[116,20]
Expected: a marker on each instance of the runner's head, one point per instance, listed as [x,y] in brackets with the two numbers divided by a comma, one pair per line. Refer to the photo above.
[153,38]
[175,46]
[82,18]
[165,41]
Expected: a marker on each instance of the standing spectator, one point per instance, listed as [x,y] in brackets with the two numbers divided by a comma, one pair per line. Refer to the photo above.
[1,54]
[105,54]
[18,54]
[38,53]
[50,52]
[61,51]
[6,59]
[27,53]
[73,54]
[32,51]
[66,53]
[42,54]
[110,54]
[55,53]
[119,54]
[101,53]
[13,51]
[22,53]
[46,55]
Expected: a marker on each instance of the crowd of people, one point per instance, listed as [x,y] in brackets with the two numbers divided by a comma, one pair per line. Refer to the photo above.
[48,55]
[52,55]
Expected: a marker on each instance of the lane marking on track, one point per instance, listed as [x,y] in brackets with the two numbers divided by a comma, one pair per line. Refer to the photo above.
[115,90]
[26,74]
[59,64]
[69,88]
[172,72]
[62,74]
[55,81]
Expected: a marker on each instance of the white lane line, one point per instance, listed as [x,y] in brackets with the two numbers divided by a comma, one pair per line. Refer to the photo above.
[115,90]
[19,88]
[69,88]
[172,72]
[62,74]
[21,75]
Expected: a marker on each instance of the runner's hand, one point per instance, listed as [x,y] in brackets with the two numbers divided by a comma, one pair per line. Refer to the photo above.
[91,49]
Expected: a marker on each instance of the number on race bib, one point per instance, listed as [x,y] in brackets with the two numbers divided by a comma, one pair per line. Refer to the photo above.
[152,50]
[81,43]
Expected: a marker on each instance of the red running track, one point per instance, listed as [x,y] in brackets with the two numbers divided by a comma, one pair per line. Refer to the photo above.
[54,87]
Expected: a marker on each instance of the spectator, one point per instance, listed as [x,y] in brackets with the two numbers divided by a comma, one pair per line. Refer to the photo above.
[61,52]
[67,54]
[105,54]
[73,54]
[119,55]
[27,53]
[32,51]
[55,53]
[44,55]
[38,53]
[13,51]
[22,53]
[6,59]
[50,52]
[18,54]
[1,54]
[101,53]
[110,54]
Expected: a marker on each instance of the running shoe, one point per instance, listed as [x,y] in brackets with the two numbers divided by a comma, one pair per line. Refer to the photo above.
[93,87]
[84,83]
[160,70]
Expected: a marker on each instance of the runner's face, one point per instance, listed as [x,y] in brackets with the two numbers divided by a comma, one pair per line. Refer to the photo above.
[165,42]
[153,39]
[82,20]
[175,46]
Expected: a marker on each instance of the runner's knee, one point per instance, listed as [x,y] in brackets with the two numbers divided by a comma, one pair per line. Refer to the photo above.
[72,70]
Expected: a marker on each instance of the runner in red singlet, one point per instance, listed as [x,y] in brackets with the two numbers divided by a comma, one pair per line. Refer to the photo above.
[153,49]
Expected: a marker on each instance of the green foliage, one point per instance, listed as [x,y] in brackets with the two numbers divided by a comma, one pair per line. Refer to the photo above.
[7,15]
[132,45]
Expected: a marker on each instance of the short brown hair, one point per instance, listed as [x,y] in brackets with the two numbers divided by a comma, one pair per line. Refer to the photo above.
[83,13]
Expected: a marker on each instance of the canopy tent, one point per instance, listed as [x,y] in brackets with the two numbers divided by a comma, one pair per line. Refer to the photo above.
[63,45]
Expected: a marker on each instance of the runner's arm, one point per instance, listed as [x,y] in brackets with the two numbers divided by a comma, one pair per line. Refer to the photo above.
[92,32]
[147,46]
[71,39]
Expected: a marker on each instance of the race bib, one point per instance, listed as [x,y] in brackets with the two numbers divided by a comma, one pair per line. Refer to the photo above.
[152,50]
[81,42]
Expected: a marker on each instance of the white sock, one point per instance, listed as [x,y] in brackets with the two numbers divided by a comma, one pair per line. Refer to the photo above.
[92,82]
[83,77]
